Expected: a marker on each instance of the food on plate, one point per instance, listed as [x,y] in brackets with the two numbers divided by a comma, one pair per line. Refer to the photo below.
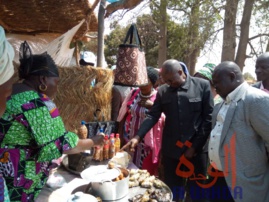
[158,184]
[121,176]
[111,165]
[134,177]
[145,198]
[136,198]
[156,191]
[133,184]
[133,171]
[142,171]
[146,184]
[143,177]
[152,195]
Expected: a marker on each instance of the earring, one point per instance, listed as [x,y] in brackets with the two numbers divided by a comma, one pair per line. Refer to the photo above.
[42,87]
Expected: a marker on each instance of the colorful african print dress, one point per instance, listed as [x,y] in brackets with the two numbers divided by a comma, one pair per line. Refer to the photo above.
[31,135]
[151,144]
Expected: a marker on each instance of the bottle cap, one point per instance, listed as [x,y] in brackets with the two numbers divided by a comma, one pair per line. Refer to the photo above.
[117,135]
[101,130]
[106,137]
[82,122]
[112,135]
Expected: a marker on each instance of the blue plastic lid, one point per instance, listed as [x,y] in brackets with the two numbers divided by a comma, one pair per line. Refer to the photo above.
[82,122]
[112,1]
[101,130]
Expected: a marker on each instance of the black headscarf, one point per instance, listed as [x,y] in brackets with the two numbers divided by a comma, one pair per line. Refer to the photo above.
[153,74]
[37,65]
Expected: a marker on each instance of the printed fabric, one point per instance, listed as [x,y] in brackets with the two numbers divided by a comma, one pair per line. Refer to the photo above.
[135,116]
[3,190]
[32,134]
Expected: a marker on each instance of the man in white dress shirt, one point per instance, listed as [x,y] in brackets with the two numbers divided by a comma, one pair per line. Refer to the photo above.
[239,142]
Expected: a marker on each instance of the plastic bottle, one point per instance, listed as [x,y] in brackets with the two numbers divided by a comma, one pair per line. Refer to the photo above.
[82,131]
[96,153]
[98,150]
[111,146]
[101,132]
[117,143]
[101,158]
[106,148]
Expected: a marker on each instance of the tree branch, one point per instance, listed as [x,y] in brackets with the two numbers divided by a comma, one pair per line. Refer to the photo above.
[257,36]
[122,4]
[253,49]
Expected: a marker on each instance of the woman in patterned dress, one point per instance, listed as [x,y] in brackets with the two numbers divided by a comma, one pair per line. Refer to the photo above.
[32,133]
[6,73]
[135,108]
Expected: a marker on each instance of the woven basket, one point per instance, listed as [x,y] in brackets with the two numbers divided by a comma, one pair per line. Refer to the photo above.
[76,99]
[53,16]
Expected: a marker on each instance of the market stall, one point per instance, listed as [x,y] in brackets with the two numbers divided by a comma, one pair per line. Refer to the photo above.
[73,183]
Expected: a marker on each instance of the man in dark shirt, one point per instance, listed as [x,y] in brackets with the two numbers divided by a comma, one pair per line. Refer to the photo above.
[187,104]
[262,72]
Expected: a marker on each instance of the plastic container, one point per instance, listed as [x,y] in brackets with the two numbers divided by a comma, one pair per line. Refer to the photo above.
[117,143]
[82,131]
[106,148]
[111,146]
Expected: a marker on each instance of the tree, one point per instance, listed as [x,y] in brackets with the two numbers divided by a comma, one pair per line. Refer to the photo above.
[250,9]
[229,31]
[195,26]
[244,33]
[162,19]
[112,41]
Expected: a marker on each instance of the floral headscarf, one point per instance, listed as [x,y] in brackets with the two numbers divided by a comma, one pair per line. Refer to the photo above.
[207,70]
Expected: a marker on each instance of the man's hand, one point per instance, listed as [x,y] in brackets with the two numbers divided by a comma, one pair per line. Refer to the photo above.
[189,153]
[132,144]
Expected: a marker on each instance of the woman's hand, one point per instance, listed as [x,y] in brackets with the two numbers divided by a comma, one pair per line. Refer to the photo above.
[98,139]
[85,144]
[145,103]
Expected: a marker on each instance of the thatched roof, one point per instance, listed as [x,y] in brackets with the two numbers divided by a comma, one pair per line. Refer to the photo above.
[49,16]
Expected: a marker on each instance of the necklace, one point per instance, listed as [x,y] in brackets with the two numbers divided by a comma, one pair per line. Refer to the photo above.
[146,96]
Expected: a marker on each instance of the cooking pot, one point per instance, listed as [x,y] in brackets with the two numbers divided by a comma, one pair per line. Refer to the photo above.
[107,189]
[81,197]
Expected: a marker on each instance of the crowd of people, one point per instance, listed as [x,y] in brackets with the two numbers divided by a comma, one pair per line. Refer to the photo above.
[208,131]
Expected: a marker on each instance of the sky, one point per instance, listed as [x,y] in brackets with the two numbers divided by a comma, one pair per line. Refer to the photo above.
[124,18]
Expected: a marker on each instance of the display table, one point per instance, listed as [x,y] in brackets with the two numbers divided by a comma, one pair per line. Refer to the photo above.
[62,194]
[75,183]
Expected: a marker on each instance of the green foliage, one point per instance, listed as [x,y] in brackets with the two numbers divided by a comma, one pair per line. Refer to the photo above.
[190,25]
[112,41]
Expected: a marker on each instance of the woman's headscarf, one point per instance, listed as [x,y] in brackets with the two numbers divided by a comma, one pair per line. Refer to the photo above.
[207,71]
[184,67]
[153,74]
[37,65]
[6,57]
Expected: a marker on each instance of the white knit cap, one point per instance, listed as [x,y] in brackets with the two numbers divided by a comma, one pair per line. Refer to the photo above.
[6,57]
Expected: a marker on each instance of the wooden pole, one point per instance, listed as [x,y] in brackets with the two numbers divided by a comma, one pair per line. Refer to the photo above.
[100,51]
